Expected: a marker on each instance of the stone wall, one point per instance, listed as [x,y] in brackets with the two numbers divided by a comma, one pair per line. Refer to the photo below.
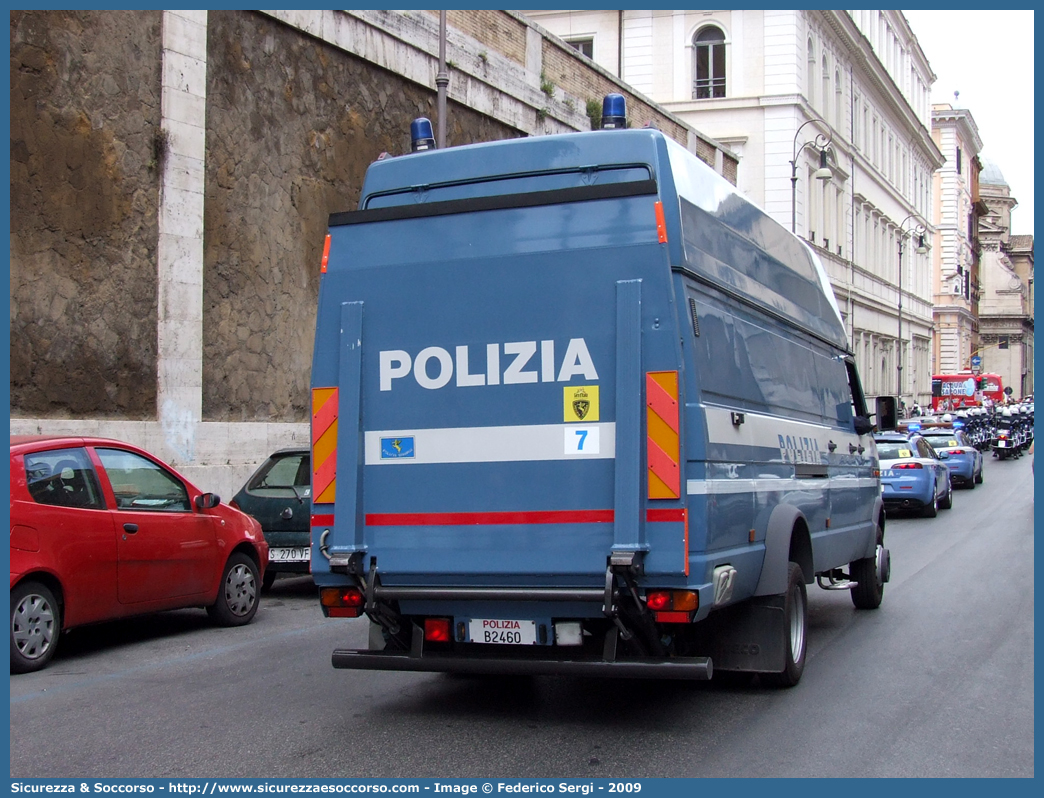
[497,30]
[292,125]
[85,156]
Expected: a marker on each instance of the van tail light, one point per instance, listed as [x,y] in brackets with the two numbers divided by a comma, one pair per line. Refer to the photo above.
[907,465]
[658,600]
[326,255]
[437,630]
[672,606]
[342,602]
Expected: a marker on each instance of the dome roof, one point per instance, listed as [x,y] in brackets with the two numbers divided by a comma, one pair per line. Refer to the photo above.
[991,174]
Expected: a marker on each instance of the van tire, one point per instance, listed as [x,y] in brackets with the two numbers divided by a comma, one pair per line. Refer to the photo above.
[869,589]
[795,630]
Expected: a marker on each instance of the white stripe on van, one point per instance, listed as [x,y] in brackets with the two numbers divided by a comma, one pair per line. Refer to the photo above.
[712,487]
[494,444]
[761,430]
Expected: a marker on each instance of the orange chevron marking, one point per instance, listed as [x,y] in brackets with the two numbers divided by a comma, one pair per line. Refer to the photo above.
[324,444]
[663,444]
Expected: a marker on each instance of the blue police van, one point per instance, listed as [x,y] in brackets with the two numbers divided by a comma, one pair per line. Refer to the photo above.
[581,408]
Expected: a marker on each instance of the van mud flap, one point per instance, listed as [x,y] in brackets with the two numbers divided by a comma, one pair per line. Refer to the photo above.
[746,637]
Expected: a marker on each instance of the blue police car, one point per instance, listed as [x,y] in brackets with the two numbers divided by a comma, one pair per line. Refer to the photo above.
[913,475]
[964,461]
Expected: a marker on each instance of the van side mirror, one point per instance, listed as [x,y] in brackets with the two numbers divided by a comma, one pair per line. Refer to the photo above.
[887,417]
[207,501]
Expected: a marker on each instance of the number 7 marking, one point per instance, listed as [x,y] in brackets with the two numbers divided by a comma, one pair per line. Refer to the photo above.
[583,436]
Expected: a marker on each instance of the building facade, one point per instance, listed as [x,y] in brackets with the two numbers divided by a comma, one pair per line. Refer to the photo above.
[1007,302]
[779,88]
[957,285]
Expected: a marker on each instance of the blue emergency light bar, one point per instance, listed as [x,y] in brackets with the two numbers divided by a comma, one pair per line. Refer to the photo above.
[614,112]
[421,136]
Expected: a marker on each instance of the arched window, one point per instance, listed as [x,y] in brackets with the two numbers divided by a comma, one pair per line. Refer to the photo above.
[837,100]
[709,64]
[810,78]
[826,88]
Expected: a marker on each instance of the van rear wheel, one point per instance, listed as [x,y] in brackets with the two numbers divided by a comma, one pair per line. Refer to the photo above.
[795,630]
[866,573]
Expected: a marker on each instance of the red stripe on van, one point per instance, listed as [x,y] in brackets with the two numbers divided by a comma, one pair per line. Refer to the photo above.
[488,519]
[666,516]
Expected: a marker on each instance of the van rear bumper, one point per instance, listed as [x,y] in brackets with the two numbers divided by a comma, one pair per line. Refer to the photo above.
[689,668]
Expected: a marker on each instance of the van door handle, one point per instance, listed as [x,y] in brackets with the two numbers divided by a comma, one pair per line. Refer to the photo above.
[131,528]
[831,445]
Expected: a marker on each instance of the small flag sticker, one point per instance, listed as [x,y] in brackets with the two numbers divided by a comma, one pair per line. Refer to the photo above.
[397,448]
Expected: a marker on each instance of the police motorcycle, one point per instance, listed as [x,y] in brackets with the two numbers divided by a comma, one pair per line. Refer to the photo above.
[1022,428]
[978,428]
[1019,429]
[970,419]
[1004,434]
[989,427]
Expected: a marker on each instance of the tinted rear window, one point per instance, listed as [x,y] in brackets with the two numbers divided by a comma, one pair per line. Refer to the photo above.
[281,475]
[63,477]
[894,451]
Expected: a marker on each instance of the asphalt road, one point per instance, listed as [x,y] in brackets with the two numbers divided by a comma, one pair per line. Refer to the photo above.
[937,682]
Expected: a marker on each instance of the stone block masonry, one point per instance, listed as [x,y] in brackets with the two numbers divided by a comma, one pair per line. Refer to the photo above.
[85,122]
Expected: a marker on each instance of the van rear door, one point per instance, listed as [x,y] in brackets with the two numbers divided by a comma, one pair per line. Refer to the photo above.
[489,384]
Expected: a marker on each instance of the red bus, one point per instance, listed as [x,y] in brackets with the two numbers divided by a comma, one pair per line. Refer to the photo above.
[964,389]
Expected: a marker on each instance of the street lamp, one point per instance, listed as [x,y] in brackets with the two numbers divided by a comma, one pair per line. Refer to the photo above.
[441,83]
[921,249]
[819,143]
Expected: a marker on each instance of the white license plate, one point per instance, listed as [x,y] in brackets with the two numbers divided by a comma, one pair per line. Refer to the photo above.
[488,630]
[297,554]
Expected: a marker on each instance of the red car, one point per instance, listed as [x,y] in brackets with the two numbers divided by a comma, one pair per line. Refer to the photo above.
[101,529]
